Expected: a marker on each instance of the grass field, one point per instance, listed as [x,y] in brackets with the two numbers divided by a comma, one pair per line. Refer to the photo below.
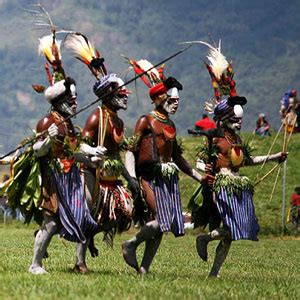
[254,270]
[268,269]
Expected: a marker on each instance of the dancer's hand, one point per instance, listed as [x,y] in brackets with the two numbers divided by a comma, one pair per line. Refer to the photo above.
[92,151]
[53,131]
[208,168]
[281,156]
[99,151]
[208,179]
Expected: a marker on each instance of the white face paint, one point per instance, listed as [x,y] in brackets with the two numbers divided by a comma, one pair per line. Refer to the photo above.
[68,104]
[170,105]
[235,122]
[119,101]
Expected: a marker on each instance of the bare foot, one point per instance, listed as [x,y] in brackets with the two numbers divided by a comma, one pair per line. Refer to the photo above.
[129,255]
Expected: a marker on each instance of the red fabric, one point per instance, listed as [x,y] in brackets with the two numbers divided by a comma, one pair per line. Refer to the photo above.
[205,124]
[295,199]
[157,90]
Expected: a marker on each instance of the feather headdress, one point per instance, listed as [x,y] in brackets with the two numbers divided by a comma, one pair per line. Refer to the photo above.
[220,71]
[48,46]
[84,50]
[154,78]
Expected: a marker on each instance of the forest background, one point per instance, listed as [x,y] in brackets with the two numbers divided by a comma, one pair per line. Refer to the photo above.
[261,37]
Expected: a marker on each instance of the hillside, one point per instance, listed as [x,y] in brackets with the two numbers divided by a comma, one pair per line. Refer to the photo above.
[260,36]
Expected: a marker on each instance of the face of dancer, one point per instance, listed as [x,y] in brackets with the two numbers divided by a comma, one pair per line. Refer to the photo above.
[235,122]
[170,105]
[68,105]
[119,100]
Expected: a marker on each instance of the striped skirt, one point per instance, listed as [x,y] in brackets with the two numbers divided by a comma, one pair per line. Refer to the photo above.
[238,214]
[74,213]
[168,205]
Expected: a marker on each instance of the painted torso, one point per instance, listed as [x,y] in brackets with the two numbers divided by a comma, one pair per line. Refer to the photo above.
[165,135]
[110,132]
[65,130]
[230,152]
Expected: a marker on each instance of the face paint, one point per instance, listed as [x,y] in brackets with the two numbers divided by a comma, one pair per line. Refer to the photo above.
[235,122]
[68,104]
[119,100]
[170,105]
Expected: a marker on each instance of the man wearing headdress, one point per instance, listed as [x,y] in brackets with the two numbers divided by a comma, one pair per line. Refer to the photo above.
[109,201]
[232,194]
[155,162]
[58,150]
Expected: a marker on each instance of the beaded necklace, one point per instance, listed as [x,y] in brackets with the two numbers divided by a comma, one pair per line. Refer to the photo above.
[159,116]
[231,139]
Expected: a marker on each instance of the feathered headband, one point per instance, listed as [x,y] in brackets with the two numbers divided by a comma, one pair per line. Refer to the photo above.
[84,50]
[154,78]
[49,46]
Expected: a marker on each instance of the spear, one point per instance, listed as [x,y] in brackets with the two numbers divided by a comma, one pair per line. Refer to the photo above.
[45,132]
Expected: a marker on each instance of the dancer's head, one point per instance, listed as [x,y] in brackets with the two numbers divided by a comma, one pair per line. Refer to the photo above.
[112,91]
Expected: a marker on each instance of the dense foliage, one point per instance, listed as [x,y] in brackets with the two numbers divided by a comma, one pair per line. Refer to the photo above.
[261,37]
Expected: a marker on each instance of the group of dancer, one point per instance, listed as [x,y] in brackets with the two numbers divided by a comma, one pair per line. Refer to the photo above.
[81,193]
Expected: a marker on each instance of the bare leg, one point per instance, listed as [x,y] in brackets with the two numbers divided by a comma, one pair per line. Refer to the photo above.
[221,254]
[80,266]
[88,181]
[203,240]
[42,240]
[148,232]
[151,248]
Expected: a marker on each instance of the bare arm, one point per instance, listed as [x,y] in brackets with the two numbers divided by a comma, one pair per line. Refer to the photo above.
[185,167]
[130,163]
[257,160]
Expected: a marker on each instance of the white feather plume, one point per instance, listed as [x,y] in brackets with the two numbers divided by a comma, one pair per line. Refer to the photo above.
[45,47]
[146,65]
[81,47]
[218,61]
[210,105]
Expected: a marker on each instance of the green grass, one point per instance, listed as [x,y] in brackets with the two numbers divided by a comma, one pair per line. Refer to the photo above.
[265,269]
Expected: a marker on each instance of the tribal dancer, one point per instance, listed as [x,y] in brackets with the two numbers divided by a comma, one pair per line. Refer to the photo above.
[232,193]
[109,202]
[64,207]
[155,163]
